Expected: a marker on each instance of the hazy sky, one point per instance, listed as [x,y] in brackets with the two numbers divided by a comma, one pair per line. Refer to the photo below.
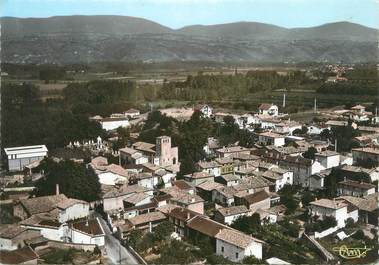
[179,13]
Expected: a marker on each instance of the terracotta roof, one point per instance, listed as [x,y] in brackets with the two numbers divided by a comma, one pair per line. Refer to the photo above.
[229,177]
[206,165]
[365,204]
[132,111]
[10,231]
[181,184]
[70,202]
[205,225]
[146,218]
[91,227]
[42,204]
[144,146]
[99,162]
[327,153]
[136,198]
[182,213]
[124,190]
[257,197]
[356,184]
[209,185]
[232,149]
[235,238]
[233,210]
[128,150]
[18,256]
[199,175]
[367,150]
[331,204]
[271,135]
[42,219]
[224,160]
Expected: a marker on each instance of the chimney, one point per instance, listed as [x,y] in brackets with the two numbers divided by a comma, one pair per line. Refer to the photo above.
[335,145]
[188,215]
[57,189]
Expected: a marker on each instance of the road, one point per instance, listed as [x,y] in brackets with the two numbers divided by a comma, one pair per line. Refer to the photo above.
[114,249]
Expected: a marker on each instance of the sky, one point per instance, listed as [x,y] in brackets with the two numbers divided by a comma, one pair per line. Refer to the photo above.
[178,13]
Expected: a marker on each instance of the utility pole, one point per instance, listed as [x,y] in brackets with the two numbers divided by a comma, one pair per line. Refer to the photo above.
[284,100]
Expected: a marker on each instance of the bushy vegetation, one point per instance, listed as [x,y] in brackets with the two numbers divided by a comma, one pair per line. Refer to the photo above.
[74,179]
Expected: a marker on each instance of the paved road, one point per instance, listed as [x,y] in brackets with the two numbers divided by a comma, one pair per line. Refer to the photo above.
[114,249]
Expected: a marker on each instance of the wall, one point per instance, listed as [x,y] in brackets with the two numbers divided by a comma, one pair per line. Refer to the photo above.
[111,125]
[81,238]
[326,232]
[76,211]
[63,245]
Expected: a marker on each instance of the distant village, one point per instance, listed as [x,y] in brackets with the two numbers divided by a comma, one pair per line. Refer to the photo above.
[292,176]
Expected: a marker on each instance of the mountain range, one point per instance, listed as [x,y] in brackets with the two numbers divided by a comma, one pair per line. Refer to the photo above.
[85,39]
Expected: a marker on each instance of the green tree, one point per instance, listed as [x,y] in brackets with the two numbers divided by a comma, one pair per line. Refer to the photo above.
[310,153]
[163,230]
[75,180]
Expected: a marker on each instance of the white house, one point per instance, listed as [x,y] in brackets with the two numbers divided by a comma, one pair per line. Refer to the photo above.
[87,232]
[235,245]
[19,157]
[227,215]
[355,188]
[339,209]
[279,176]
[211,167]
[328,159]
[110,124]
[268,109]
[270,138]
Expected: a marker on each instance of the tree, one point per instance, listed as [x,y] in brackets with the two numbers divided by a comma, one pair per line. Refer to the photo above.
[307,198]
[251,260]
[163,230]
[310,153]
[247,224]
[74,179]
[134,237]
[177,252]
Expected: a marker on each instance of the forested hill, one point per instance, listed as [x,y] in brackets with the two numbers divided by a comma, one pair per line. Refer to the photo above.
[76,39]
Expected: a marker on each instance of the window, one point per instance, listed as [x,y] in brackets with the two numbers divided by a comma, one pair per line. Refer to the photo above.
[236,255]
[222,249]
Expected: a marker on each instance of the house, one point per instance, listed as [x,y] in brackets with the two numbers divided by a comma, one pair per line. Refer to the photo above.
[224,196]
[114,198]
[13,236]
[279,176]
[64,208]
[270,138]
[137,199]
[19,157]
[338,209]
[228,179]
[129,155]
[211,146]
[112,174]
[226,165]
[132,113]
[211,167]
[355,188]
[227,215]
[235,246]
[110,123]
[204,189]
[47,225]
[317,180]
[179,216]
[146,179]
[268,109]
[25,255]
[87,232]
[228,151]
[301,167]
[351,172]
[365,154]
[287,127]
[144,222]
[254,201]
[198,177]
[328,159]
[367,207]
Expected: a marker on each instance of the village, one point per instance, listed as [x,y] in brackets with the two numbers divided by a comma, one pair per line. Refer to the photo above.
[307,187]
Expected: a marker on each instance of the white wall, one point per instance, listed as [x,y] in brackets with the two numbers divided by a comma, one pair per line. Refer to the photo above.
[254,249]
[111,125]
[81,238]
[6,244]
[76,211]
